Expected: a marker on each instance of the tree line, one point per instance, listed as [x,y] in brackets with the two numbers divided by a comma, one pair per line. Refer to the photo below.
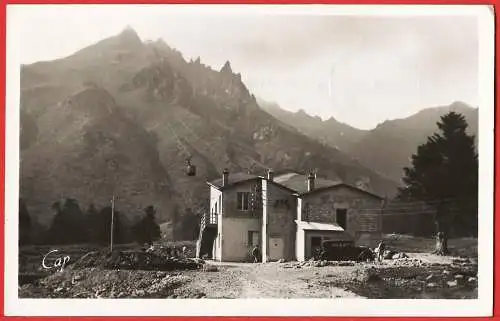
[71,225]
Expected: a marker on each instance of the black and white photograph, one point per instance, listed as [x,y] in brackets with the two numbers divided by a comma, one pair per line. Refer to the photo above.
[200,153]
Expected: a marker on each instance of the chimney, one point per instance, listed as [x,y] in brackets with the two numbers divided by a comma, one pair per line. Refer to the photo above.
[225,177]
[270,175]
[310,182]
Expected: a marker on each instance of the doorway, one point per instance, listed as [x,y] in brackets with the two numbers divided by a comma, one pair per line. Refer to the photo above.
[341,217]
[315,245]
[276,248]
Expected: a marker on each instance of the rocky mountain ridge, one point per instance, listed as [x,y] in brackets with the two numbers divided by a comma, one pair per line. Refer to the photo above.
[121,117]
[388,147]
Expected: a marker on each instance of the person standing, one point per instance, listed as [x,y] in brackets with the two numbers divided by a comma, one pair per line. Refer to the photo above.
[380,251]
[256,254]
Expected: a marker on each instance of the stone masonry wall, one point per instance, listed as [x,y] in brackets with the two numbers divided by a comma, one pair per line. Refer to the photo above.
[321,207]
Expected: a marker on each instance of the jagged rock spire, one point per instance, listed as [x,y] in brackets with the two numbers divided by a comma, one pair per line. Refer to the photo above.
[227,68]
[129,36]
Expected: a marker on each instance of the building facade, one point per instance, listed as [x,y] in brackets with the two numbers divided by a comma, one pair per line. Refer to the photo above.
[287,216]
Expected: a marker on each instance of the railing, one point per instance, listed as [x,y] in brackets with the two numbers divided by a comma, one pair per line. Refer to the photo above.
[208,219]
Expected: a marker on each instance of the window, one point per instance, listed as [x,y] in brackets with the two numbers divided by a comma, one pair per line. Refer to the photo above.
[243,198]
[342,217]
[253,238]
[215,211]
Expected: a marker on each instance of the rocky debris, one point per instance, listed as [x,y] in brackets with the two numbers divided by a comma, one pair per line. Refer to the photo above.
[371,275]
[388,255]
[75,279]
[399,256]
[97,283]
[209,268]
[392,254]
[431,277]
[387,281]
[322,263]
[461,260]
[135,260]
[407,261]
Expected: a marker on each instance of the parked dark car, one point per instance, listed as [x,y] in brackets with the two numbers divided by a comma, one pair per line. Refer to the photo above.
[344,250]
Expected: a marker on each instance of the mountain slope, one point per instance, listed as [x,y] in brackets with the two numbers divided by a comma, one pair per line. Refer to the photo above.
[386,148]
[88,150]
[145,107]
[330,131]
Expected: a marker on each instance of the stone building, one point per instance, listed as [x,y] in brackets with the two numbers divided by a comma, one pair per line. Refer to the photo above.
[287,216]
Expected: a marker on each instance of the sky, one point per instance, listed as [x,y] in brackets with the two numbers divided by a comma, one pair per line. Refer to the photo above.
[359,69]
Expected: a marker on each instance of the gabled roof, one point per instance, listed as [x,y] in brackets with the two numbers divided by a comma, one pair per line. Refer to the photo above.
[233,179]
[357,189]
[293,182]
[298,182]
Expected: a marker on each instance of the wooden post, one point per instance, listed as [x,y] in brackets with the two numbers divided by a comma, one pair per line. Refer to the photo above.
[112,220]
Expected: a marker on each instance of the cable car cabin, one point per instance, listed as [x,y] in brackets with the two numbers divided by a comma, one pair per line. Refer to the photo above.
[191,170]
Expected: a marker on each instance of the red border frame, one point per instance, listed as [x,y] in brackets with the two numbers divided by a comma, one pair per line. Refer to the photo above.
[3,70]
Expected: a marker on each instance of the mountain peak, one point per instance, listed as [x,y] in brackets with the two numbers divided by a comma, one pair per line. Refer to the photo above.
[129,37]
[226,69]
[302,112]
[332,120]
[460,105]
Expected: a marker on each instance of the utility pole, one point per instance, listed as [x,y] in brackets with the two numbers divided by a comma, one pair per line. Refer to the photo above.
[381,217]
[112,220]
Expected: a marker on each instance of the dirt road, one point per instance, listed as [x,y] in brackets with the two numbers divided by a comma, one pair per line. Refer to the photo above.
[291,280]
[272,280]
[422,275]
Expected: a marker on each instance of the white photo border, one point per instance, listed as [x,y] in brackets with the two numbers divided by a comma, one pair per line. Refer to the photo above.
[483,306]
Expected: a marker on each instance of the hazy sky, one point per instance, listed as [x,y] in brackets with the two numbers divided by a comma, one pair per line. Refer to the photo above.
[361,70]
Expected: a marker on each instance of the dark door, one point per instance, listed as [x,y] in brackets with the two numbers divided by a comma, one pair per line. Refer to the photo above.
[342,217]
[315,245]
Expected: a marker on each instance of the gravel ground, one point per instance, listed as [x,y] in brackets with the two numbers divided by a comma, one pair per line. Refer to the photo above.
[422,276]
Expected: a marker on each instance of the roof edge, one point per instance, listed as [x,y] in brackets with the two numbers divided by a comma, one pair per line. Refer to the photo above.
[339,185]
[230,185]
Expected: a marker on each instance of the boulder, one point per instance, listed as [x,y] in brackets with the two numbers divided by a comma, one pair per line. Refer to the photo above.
[400,256]
[430,277]
[389,254]
[210,268]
